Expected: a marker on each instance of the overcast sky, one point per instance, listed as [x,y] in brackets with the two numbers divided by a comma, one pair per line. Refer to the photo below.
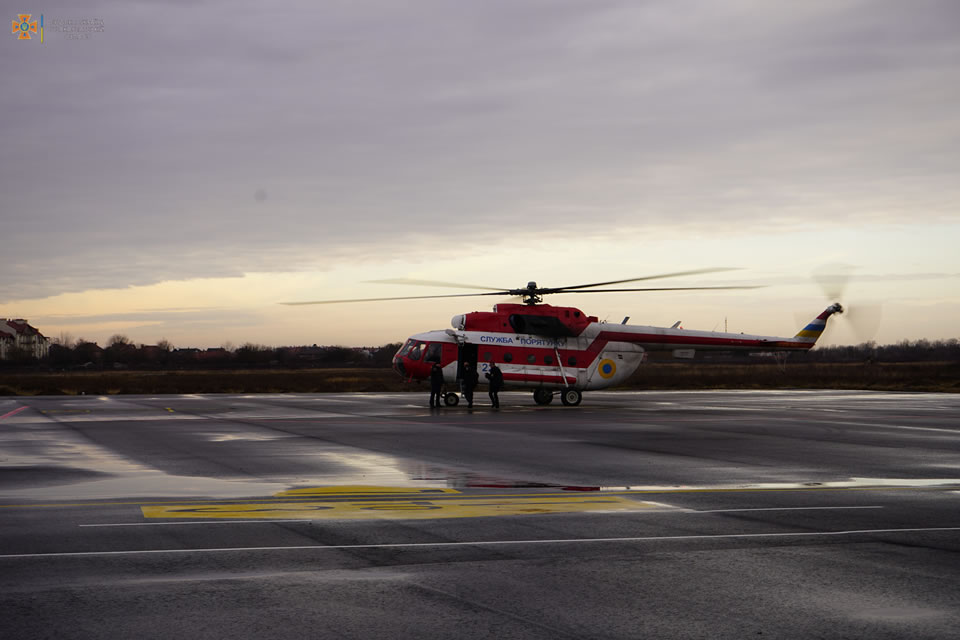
[181,172]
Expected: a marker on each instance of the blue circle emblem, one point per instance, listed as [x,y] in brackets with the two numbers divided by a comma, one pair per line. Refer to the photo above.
[607,368]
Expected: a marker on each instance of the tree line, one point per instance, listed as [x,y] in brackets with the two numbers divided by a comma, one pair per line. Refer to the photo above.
[904,351]
[122,353]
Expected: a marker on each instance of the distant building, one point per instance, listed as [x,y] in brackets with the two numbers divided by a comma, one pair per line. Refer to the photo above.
[151,352]
[213,354]
[7,342]
[17,336]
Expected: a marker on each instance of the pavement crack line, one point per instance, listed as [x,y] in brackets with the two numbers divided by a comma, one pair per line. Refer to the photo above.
[486,543]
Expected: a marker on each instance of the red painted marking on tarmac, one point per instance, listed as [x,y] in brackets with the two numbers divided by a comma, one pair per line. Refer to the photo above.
[13,413]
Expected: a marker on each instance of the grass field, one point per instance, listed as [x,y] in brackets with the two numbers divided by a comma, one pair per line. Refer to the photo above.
[923,376]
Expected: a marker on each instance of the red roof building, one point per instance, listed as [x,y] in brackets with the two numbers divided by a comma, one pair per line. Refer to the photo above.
[18,335]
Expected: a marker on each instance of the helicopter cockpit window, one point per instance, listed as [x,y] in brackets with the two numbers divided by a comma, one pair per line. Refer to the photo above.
[433,352]
[405,350]
[416,351]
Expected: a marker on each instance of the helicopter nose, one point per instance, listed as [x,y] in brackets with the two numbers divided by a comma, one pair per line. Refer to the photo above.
[398,366]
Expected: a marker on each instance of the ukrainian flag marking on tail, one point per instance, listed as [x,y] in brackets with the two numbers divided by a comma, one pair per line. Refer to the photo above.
[812,331]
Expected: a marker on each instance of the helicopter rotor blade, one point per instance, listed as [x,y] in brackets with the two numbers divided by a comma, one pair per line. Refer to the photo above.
[864,319]
[833,280]
[531,293]
[449,295]
[676,274]
[658,289]
[433,283]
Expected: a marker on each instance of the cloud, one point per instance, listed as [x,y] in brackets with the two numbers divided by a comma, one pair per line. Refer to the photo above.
[146,153]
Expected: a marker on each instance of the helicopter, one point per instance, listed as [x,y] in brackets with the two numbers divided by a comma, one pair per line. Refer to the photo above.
[561,351]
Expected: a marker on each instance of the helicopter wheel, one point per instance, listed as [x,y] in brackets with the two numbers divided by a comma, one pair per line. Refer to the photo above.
[571,397]
[451,399]
[542,396]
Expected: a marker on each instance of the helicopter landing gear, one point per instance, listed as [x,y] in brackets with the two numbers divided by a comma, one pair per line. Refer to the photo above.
[571,397]
[542,396]
[451,399]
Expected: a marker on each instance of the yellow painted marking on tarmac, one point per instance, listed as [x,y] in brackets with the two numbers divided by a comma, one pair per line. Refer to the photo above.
[359,489]
[169,409]
[292,500]
[417,509]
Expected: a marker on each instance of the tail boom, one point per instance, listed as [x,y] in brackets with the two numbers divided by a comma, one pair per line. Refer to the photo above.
[812,332]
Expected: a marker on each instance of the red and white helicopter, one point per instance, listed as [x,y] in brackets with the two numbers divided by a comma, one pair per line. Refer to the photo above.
[561,350]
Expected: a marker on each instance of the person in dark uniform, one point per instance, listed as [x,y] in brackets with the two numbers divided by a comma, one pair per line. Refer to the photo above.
[495,376]
[436,385]
[470,379]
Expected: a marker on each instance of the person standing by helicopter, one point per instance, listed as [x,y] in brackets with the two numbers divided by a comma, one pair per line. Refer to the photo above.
[495,376]
[470,379]
[436,385]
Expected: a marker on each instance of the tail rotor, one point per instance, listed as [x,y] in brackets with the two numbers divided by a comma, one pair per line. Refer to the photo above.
[862,319]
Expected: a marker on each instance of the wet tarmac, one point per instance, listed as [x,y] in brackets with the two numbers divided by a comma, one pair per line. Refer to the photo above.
[641,514]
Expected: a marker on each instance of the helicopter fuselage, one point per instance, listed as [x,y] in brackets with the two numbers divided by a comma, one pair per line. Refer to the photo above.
[561,348]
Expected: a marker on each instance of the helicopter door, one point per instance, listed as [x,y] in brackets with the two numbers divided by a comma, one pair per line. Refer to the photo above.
[467,353]
[433,352]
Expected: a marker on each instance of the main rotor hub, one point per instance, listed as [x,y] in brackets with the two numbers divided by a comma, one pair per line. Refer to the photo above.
[532,294]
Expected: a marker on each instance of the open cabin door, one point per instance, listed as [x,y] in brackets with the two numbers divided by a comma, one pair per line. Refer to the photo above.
[466,353]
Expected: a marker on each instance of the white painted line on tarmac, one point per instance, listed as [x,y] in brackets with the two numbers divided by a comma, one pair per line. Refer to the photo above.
[479,543]
[779,509]
[903,426]
[170,524]
[877,425]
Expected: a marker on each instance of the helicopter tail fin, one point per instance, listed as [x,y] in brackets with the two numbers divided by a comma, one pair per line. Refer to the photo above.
[815,327]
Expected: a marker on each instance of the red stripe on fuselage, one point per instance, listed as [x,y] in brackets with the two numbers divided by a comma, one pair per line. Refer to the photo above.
[675,340]
[653,341]
[526,377]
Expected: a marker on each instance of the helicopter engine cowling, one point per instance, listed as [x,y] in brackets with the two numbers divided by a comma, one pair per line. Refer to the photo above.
[459,321]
